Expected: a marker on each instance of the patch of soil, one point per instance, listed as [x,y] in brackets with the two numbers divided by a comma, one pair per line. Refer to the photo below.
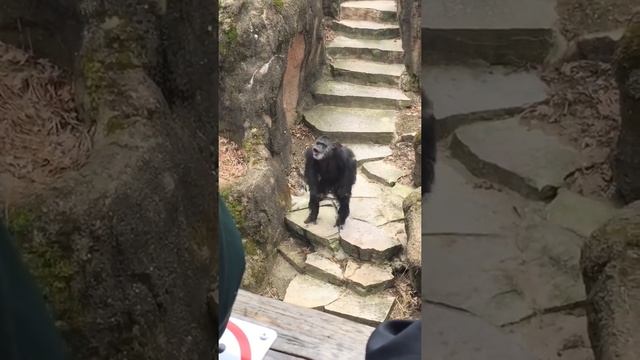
[232,161]
[408,305]
[402,154]
[301,139]
[41,135]
[329,34]
[583,110]
[578,17]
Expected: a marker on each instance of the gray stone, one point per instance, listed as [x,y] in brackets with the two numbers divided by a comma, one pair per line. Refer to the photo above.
[293,254]
[578,213]
[380,11]
[366,72]
[535,164]
[366,29]
[352,124]
[367,242]
[402,190]
[369,152]
[323,233]
[377,211]
[555,336]
[382,172]
[369,310]
[364,188]
[455,335]
[496,31]
[458,206]
[549,276]
[611,275]
[599,46]
[324,269]
[412,207]
[488,93]
[339,93]
[475,273]
[312,293]
[367,278]
[386,50]
[281,275]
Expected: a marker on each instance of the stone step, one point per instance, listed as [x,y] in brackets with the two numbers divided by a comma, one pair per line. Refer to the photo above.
[366,29]
[309,292]
[367,242]
[341,93]
[323,233]
[369,310]
[352,124]
[366,72]
[525,160]
[577,213]
[369,152]
[489,93]
[498,31]
[381,11]
[382,172]
[323,268]
[386,50]
[366,278]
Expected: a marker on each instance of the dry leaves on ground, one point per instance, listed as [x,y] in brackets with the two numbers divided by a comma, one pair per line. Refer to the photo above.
[232,161]
[40,132]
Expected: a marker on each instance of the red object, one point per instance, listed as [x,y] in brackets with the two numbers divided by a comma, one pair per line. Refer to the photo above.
[243,341]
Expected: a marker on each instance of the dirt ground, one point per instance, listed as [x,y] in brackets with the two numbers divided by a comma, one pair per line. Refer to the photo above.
[579,17]
[41,135]
[583,110]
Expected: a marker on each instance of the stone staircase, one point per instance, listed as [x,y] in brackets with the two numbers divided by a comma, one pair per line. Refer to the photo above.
[504,234]
[356,102]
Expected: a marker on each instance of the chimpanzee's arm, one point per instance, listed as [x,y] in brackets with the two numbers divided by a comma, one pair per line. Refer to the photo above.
[310,175]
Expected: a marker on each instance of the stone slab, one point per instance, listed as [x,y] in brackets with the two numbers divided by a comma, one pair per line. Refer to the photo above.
[458,205]
[364,188]
[367,29]
[369,152]
[377,211]
[535,164]
[293,254]
[475,273]
[382,50]
[382,172]
[402,190]
[323,268]
[455,335]
[367,278]
[556,336]
[462,94]
[578,213]
[383,11]
[351,124]
[367,242]
[311,293]
[370,310]
[281,275]
[366,72]
[343,93]
[495,31]
[323,233]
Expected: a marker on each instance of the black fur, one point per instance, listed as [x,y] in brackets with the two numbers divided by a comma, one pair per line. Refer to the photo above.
[428,144]
[335,173]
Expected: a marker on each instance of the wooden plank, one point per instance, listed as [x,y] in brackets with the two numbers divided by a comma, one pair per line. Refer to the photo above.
[306,333]
[274,355]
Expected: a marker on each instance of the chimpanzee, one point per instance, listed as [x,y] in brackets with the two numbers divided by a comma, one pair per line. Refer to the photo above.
[428,144]
[329,167]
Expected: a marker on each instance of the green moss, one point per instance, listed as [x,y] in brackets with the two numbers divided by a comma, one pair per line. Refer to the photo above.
[628,53]
[235,207]
[278,4]
[114,125]
[229,39]
[418,139]
[20,222]
[251,144]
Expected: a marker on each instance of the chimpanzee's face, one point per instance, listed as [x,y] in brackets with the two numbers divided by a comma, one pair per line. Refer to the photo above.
[320,149]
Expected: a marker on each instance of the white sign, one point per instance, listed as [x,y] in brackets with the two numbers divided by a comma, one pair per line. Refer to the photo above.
[243,340]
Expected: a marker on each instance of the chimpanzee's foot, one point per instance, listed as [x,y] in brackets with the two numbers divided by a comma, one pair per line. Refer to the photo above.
[311,219]
[339,223]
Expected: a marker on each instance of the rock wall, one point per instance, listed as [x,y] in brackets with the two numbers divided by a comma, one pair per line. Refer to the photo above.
[626,163]
[124,248]
[271,53]
[409,15]
[611,273]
